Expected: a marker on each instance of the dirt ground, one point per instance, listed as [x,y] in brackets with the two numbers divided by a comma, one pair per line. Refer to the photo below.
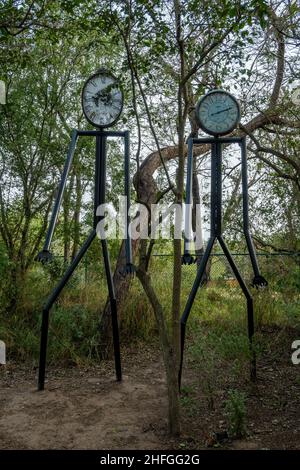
[85,408]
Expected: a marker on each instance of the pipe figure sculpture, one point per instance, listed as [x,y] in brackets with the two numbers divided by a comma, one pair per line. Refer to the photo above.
[218,113]
[102,103]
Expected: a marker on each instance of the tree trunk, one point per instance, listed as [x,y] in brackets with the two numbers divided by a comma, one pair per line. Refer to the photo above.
[173,394]
[169,355]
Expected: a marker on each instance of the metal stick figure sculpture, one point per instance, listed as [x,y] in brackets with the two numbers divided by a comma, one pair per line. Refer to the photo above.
[102,103]
[218,113]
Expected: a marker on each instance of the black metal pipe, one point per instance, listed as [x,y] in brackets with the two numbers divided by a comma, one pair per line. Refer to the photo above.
[97,179]
[218,164]
[50,301]
[99,198]
[250,313]
[246,230]
[234,268]
[190,301]
[216,232]
[223,140]
[113,307]
[100,184]
[102,132]
[198,279]
[182,342]
[188,197]
[128,249]
[53,296]
[216,189]
[213,192]
[43,349]
[62,185]
[100,176]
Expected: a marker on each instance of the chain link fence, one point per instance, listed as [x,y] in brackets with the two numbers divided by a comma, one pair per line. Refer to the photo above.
[276,267]
[279,268]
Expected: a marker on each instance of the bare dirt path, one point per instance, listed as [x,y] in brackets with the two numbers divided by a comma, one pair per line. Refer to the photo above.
[84,408]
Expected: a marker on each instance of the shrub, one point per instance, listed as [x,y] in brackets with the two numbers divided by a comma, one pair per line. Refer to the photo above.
[235,408]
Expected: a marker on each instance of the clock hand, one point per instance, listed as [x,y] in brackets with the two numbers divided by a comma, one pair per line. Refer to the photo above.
[102,95]
[222,111]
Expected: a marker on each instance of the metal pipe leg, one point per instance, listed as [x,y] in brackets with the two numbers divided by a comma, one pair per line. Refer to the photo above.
[51,299]
[250,314]
[43,349]
[189,304]
[187,258]
[128,248]
[258,280]
[114,314]
[182,341]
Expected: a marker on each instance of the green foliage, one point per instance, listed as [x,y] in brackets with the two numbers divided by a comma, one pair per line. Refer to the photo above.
[217,331]
[235,408]
[74,335]
[206,359]
[137,315]
[188,401]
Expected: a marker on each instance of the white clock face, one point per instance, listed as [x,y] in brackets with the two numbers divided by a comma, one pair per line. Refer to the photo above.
[102,99]
[218,112]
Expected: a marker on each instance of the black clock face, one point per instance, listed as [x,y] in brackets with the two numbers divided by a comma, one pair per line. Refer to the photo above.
[218,112]
[102,99]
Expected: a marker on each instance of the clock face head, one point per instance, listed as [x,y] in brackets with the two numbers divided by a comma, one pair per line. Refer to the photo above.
[218,112]
[102,99]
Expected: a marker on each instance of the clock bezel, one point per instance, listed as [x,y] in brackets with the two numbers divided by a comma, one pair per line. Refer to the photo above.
[203,127]
[97,74]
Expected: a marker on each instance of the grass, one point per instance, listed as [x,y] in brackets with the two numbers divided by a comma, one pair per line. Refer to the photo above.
[235,407]
[217,323]
[216,387]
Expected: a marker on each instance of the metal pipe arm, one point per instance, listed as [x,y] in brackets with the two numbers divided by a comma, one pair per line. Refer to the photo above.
[258,280]
[129,267]
[187,258]
[45,254]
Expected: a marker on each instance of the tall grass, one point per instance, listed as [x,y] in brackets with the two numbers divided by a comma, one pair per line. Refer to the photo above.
[218,316]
